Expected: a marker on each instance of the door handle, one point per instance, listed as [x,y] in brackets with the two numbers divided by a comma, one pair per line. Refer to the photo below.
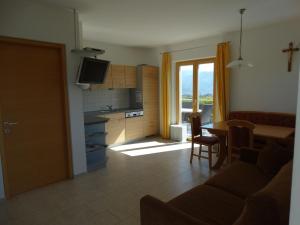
[7,126]
[6,123]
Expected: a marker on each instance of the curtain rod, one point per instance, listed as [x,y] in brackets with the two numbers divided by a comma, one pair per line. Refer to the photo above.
[186,49]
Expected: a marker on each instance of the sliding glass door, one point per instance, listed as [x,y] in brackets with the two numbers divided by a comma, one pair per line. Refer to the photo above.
[194,90]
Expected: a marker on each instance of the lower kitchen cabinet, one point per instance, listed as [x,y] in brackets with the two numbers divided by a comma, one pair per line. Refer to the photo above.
[134,128]
[115,128]
[96,158]
[150,125]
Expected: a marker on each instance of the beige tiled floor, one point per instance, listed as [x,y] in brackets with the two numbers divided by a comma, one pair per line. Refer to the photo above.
[109,196]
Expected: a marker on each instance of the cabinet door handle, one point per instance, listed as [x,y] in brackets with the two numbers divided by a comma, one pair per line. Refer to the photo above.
[6,123]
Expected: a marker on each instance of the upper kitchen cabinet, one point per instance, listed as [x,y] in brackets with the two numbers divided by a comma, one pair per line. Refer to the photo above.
[108,82]
[118,76]
[130,76]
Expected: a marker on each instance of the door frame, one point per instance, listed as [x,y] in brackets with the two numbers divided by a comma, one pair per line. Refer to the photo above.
[65,106]
[195,64]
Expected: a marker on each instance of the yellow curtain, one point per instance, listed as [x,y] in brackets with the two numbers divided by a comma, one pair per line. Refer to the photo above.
[221,83]
[165,90]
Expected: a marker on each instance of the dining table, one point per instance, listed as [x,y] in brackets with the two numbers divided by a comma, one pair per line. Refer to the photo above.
[268,132]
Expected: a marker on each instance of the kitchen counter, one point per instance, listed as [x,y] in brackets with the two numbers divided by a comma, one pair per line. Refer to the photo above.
[97,116]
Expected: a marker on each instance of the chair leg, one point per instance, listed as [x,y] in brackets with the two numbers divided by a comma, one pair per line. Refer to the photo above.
[192,152]
[210,156]
[229,159]
[200,151]
[218,150]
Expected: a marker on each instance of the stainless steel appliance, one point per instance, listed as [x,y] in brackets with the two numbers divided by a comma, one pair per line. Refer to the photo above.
[134,113]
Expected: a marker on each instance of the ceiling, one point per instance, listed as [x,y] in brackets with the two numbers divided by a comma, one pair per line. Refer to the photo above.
[150,23]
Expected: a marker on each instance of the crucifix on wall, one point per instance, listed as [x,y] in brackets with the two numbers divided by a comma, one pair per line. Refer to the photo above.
[290,52]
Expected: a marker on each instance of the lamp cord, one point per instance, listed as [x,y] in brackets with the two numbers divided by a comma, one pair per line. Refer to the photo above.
[241,33]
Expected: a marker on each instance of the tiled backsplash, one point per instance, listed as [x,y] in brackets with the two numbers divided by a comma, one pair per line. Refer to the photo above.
[98,99]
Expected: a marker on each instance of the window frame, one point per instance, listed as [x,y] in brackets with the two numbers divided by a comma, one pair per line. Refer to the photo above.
[195,64]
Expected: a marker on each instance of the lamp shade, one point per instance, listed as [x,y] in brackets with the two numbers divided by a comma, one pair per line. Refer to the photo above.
[239,63]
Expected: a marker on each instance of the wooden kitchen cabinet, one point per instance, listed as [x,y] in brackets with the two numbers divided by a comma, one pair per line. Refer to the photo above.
[115,128]
[134,128]
[150,100]
[118,76]
[130,76]
[107,82]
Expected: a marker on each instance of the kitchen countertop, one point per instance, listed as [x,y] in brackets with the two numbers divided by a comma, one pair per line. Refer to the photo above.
[96,116]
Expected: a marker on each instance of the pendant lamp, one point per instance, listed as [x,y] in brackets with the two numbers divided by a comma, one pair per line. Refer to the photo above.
[240,62]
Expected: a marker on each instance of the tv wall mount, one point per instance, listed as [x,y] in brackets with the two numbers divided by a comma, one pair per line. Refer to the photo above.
[87,51]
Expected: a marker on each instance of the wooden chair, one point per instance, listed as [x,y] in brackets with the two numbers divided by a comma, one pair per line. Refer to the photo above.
[240,134]
[198,138]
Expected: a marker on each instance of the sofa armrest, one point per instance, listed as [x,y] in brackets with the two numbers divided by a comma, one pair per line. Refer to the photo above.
[249,155]
[156,212]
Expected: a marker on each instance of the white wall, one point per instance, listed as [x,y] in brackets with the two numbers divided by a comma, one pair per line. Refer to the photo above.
[266,87]
[295,197]
[45,23]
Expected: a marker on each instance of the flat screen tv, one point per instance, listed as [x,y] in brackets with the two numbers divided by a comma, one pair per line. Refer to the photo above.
[92,71]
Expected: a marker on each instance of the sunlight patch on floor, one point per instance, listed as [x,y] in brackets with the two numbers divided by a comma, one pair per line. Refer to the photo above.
[137,145]
[160,149]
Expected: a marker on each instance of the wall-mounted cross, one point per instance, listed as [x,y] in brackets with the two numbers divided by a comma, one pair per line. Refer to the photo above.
[290,52]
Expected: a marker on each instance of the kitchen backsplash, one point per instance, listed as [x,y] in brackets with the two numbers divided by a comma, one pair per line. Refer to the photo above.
[98,99]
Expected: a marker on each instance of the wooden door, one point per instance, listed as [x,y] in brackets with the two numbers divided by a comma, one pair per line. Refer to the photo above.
[150,99]
[118,76]
[35,148]
[130,76]
[107,82]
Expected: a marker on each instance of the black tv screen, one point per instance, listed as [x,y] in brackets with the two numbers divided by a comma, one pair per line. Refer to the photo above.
[93,71]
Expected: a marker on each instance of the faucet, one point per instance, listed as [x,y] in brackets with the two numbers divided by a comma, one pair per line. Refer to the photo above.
[109,107]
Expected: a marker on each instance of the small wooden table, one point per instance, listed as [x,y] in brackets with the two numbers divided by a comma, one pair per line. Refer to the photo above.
[220,129]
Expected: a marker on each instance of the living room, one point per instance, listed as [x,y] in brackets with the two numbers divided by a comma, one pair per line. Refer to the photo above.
[266,87]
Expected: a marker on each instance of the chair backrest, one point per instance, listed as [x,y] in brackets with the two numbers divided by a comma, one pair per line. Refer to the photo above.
[240,134]
[267,118]
[195,120]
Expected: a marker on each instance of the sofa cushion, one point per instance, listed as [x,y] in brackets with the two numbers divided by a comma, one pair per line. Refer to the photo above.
[155,212]
[210,205]
[270,206]
[272,158]
[240,178]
